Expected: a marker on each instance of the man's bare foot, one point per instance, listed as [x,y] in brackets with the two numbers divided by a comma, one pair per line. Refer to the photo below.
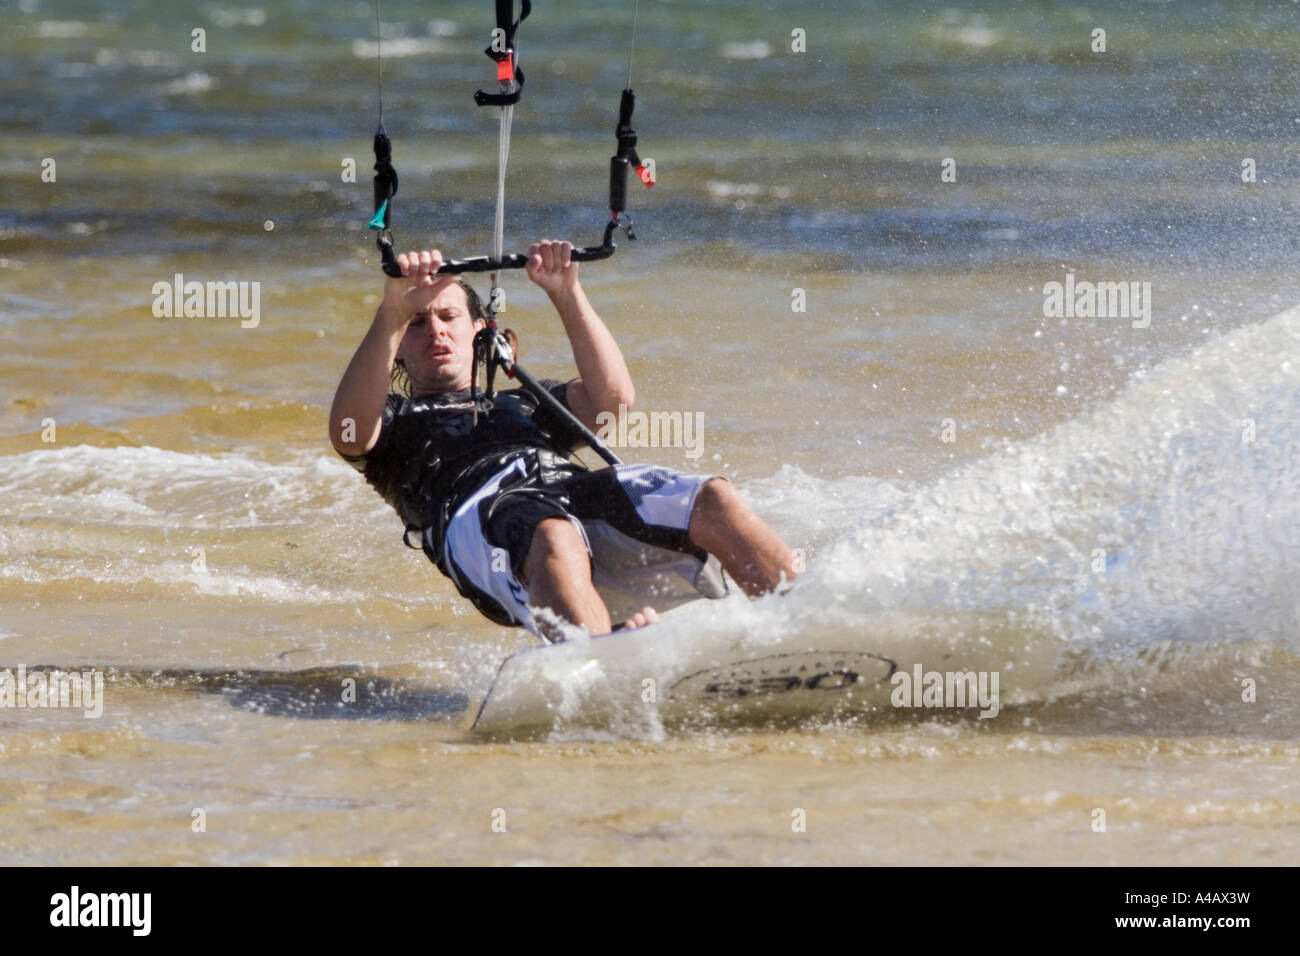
[647,615]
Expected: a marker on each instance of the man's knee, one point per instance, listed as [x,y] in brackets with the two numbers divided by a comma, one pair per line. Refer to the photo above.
[554,539]
[714,499]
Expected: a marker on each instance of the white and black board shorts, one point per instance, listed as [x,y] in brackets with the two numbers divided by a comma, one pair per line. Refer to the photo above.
[632,518]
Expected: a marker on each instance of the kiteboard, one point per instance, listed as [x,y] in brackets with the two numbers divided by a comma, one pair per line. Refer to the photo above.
[653,676]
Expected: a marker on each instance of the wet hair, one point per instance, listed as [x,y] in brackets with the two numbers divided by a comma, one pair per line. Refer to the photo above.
[399,381]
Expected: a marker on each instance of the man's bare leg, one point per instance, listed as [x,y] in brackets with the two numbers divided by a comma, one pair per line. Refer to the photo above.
[723,524]
[560,571]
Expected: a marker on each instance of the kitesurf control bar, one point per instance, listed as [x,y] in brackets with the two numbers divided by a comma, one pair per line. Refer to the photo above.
[513,260]
[619,164]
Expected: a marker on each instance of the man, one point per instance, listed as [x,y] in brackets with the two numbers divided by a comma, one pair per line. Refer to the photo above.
[530,537]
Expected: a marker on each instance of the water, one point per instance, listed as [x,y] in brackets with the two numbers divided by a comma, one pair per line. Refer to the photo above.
[189,532]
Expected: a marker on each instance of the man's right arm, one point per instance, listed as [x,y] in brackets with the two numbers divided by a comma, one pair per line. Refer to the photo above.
[356,415]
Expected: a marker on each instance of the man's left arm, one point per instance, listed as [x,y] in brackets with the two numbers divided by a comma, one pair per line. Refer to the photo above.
[603,382]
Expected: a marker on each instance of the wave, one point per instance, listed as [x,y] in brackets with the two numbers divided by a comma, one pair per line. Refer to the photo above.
[136,517]
[1148,548]
[1171,513]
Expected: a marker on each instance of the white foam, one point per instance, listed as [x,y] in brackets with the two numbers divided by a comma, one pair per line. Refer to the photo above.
[192,83]
[1199,529]
[170,575]
[90,483]
[76,514]
[397,47]
[753,50]
[64,29]
[238,17]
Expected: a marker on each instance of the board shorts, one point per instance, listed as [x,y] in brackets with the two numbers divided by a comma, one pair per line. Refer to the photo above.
[633,521]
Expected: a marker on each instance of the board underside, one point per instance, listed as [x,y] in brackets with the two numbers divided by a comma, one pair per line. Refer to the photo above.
[638,680]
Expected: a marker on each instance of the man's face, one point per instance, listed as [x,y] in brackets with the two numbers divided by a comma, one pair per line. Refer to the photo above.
[438,348]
